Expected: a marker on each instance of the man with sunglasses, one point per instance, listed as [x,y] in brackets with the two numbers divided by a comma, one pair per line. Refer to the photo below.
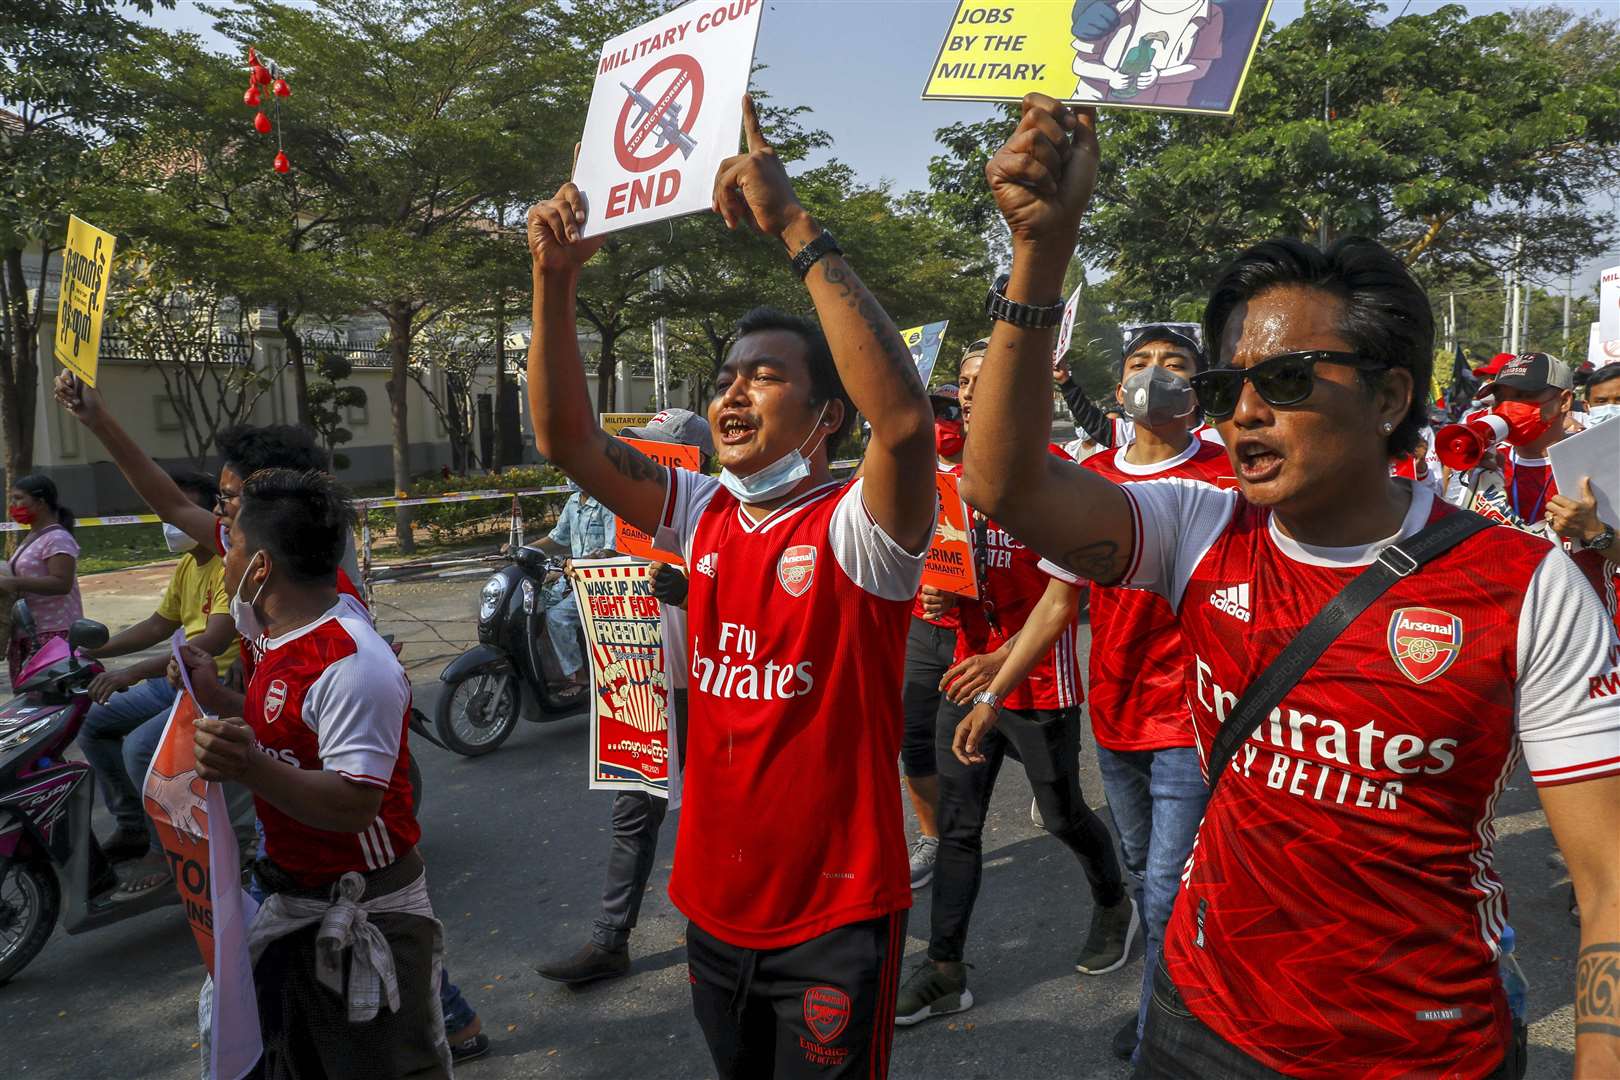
[1040,727]
[1339,914]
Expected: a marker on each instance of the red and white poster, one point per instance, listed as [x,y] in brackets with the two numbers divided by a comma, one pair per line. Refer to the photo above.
[665,111]
[630,686]
[949,563]
[631,540]
[195,830]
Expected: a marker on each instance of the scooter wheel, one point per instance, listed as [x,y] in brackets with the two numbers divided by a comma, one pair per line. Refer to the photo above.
[29,902]
[476,714]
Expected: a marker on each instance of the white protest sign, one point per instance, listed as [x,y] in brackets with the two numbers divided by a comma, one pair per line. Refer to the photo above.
[1599,351]
[1609,304]
[666,110]
[1593,453]
[1066,331]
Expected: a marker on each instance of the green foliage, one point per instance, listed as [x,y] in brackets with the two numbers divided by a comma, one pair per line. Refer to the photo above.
[447,522]
[329,399]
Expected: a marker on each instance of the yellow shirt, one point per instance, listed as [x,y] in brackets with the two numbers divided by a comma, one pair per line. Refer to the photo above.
[194,593]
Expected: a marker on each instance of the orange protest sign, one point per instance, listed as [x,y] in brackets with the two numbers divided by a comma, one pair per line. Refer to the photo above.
[632,541]
[949,565]
[176,800]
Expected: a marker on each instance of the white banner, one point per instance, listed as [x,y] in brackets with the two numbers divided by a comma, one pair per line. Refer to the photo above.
[666,110]
[1609,304]
[1066,331]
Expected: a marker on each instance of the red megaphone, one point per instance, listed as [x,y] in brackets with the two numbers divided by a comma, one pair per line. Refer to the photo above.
[1460,446]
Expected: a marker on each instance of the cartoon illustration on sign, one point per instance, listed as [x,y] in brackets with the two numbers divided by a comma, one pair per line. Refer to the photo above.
[665,117]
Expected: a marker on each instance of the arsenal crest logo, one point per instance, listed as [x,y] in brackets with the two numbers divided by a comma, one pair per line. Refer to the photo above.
[796,568]
[274,699]
[1424,642]
[826,1012]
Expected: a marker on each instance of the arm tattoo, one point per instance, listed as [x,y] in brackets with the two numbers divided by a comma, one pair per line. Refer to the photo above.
[631,463]
[1099,561]
[1597,990]
[855,294]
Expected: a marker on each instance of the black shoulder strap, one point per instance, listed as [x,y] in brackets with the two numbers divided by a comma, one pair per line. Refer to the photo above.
[1266,692]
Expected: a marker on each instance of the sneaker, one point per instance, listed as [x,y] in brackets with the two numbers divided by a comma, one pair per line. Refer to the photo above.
[469,1049]
[933,990]
[125,844]
[1035,814]
[924,853]
[1124,1041]
[1108,944]
[590,964]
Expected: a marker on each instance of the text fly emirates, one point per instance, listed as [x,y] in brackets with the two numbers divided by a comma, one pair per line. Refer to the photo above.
[1367,748]
[730,677]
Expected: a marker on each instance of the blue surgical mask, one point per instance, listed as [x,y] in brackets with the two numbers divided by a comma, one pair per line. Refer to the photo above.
[1598,414]
[775,479]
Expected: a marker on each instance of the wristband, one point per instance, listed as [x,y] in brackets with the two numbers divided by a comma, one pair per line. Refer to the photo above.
[813,252]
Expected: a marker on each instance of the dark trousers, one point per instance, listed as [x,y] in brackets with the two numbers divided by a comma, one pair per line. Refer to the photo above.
[929,651]
[1047,741]
[637,817]
[822,1008]
[1177,1046]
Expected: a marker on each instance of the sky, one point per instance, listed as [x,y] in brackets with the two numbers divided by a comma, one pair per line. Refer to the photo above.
[860,66]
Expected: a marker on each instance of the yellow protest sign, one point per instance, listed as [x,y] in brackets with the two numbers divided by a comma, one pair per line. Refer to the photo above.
[615,422]
[1167,55]
[86,271]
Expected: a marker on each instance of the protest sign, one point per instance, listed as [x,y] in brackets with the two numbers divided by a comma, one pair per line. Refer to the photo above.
[615,422]
[949,563]
[629,700]
[82,297]
[1599,351]
[1169,55]
[632,541]
[1066,329]
[666,110]
[193,827]
[1609,304]
[924,342]
[1595,455]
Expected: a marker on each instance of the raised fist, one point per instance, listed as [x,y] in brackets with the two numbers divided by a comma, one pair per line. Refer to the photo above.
[1043,177]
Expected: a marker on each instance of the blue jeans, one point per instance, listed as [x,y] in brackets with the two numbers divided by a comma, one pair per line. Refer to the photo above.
[1157,798]
[102,739]
[562,625]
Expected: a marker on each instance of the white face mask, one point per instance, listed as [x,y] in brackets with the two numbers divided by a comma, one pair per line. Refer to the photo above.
[248,623]
[178,539]
[1597,414]
[775,479]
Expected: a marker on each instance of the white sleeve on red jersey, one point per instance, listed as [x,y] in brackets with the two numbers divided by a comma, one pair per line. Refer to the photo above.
[1569,682]
[687,496]
[357,708]
[1174,524]
[872,558]
[1052,569]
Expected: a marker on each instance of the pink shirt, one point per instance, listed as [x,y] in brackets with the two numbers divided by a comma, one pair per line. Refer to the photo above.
[51,613]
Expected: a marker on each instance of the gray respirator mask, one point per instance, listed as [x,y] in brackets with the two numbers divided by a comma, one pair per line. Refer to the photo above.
[1156,396]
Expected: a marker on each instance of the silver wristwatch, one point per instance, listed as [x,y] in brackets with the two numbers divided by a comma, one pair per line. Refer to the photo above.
[1602,541]
[985,697]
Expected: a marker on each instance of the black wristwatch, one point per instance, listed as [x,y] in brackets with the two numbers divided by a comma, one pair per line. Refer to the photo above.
[1024,316]
[1604,540]
[814,251]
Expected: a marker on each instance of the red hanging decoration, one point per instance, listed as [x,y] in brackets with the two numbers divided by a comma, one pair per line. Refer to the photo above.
[282,164]
[251,98]
[261,74]
[262,123]
[281,89]
[253,57]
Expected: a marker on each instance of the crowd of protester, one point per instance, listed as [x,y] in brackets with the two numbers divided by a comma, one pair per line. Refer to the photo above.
[1304,845]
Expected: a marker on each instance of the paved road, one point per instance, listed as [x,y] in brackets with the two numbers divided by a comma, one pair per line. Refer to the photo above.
[515,844]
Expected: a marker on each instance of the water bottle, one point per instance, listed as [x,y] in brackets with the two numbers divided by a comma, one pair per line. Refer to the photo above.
[1518,993]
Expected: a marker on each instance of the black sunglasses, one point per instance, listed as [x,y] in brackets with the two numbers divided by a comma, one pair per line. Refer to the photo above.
[1282,380]
[946,410]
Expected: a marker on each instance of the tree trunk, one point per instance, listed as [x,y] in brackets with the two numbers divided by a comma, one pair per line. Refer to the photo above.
[460,439]
[295,360]
[508,426]
[400,322]
[607,371]
[19,374]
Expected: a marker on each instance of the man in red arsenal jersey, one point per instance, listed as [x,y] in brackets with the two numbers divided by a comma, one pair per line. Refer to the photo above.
[790,860]
[322,746]
[1339,914]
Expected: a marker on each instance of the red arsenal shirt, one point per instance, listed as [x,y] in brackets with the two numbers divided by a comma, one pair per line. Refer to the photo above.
[791,823]
[332,696]
[1136,697]
[1340,913]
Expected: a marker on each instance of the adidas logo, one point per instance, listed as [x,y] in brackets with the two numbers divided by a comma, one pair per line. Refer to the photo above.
[705,565]
[1233,600]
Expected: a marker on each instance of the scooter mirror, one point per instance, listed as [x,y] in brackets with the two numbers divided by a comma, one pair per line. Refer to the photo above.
[87,634]
[22,621]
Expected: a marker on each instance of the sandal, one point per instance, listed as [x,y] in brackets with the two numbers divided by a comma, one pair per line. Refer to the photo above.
[150,873]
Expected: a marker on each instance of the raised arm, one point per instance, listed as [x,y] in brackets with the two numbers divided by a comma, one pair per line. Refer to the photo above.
[872,358]
[1042,180]
[565,428]
[155,487]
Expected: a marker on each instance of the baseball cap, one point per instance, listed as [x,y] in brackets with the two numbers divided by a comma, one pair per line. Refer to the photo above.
[676,426]
[945,392]
[1493,365]
[1161,332]
[1532,371]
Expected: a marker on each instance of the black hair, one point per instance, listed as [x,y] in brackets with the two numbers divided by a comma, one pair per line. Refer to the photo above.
[303,519]
[247,449]
[1386,314]
[43,488]
[1606,373]
[203,489]
[825,385]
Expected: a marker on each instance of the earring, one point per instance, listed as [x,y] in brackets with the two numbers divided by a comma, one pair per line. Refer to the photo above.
[1388,427]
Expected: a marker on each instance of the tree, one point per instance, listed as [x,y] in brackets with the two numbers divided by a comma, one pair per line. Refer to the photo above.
[457,345]
[330,398]
[62,106]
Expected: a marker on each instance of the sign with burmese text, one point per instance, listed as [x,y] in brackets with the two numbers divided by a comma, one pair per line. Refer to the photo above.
[630,706]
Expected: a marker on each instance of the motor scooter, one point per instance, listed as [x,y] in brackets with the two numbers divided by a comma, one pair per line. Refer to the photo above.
[513,671]
[51,864]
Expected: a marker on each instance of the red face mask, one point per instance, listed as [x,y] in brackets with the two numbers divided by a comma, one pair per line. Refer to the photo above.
[22,515]
[948,437]
[1524,420]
